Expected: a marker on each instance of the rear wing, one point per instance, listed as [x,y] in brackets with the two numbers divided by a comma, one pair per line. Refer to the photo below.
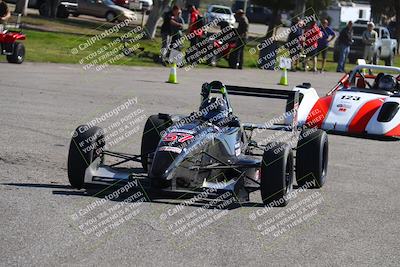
[291,97]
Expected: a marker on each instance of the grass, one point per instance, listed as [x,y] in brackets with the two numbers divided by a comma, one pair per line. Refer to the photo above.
[53,40]
[56,48]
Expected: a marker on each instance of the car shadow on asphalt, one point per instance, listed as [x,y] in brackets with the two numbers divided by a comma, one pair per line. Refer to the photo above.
[32,185]
[153,196]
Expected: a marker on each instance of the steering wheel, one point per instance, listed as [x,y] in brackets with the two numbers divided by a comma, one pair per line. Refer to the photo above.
[365,80]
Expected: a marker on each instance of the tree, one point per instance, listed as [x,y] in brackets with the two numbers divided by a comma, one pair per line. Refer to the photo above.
[159,7]
[299,7]
[388,8]
[49,8]
[52,6]
[21,7]
[276,6]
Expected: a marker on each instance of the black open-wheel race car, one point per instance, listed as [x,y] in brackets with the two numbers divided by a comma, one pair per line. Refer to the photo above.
[210,149]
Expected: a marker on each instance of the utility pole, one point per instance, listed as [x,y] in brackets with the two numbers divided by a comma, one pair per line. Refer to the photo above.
[245,6]
[300,8]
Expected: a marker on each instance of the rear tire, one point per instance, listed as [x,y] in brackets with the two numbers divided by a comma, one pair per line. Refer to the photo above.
[80,157]
[155,124]
[389,60]
[276,174]
[18,55]
[62,12]
[111,17]
[312,158]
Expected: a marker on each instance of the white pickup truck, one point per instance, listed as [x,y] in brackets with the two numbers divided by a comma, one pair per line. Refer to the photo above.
[384,47]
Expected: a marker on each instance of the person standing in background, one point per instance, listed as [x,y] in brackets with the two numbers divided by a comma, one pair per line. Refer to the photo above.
[323,43]
[195,25]
[172,23]
[345,40]
[165,35]
[5,14]
[242,31]
[369,37]
[176,24]
[311,37]
[294,42]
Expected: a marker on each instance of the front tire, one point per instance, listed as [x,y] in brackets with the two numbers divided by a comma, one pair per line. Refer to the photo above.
[18,55]
[155,124]
[312,158]
[86,146]
[276,174]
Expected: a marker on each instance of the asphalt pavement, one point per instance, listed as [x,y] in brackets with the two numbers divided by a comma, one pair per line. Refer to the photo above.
[352,220]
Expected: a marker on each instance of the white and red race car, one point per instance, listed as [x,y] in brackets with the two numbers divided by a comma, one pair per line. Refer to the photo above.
[359,105]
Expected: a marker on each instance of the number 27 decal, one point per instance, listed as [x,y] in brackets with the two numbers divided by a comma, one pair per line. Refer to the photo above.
[181,137]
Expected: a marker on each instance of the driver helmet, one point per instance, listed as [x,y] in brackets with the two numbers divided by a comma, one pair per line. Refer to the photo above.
[377,79]
[214,109]
[387,83]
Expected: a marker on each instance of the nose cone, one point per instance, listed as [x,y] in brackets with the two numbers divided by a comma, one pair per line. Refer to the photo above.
[161,162]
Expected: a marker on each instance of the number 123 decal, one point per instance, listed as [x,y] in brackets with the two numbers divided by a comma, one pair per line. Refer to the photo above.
[350,97]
